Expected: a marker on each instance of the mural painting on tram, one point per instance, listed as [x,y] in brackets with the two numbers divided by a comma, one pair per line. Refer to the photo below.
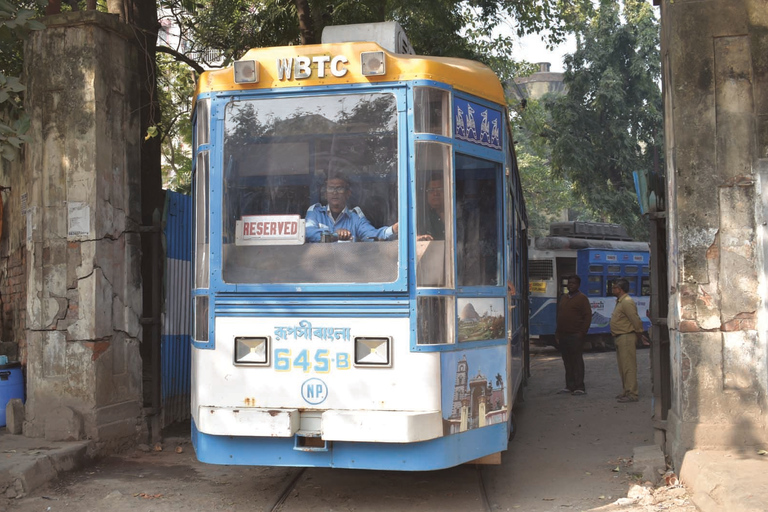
[478,396]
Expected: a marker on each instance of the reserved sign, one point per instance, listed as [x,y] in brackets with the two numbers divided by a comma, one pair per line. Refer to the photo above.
[270,230]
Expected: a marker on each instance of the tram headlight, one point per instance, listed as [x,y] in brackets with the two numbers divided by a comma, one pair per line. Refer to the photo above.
[372,352]
[252,350]
[373,63]
[246,72]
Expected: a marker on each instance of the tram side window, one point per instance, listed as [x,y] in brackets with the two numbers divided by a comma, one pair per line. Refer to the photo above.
[430,112]
[433,314]
[595,286]
[645,286]
[478,215]
[434,228]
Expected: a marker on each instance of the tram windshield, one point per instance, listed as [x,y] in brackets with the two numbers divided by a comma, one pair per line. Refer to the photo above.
[305,179]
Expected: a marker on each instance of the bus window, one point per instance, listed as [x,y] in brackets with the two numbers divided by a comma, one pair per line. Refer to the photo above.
[595,286]
[434,229]
[278,155]
[645,286]
[646,271]
[614,269]
[596,269]
[430,111]
[631,270]
[478,215]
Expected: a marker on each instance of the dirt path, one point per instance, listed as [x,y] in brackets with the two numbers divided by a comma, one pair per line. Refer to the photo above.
[570,453]
[574,452]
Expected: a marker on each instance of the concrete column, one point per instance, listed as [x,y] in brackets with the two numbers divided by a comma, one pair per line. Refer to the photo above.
[83,247]
[716,129]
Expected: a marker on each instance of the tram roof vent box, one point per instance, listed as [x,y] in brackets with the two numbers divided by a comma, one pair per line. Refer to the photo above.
[389,35]
[595,230]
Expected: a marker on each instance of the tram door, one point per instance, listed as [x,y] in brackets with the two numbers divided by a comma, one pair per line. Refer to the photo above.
[565,267]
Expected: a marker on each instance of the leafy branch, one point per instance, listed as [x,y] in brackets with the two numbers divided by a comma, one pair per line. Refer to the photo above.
[15,23]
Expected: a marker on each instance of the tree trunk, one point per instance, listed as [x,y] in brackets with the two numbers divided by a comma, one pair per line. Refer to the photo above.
[306,28]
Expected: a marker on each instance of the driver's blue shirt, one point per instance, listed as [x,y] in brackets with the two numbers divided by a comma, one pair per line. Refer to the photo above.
[319,220]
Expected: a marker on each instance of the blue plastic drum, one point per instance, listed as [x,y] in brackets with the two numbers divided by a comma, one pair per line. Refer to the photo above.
[11,386]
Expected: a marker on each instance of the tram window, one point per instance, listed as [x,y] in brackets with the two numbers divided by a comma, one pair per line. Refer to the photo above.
[477,221]
[430,112]
[595,286]
[646,270]
[279,155]
[645,286]
[614,269]
[202,215]
[435,317]
[201,318]
[434,229]
[596,269]
[540,270]
[631,270]
[202,121]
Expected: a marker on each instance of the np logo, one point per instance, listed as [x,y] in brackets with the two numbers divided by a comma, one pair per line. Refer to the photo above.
[314,391]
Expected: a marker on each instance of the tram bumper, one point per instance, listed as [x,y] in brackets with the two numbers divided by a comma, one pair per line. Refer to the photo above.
[334,425]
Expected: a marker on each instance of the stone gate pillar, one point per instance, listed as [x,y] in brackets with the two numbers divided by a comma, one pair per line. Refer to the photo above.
[715,64]
[83,247]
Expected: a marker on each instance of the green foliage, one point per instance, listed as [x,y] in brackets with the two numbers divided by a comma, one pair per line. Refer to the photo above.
[609,123]
[176,87]
[15,23]
[452,28]
[546,195]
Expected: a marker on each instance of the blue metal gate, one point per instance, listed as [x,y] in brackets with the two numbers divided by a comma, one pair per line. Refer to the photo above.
[176,335]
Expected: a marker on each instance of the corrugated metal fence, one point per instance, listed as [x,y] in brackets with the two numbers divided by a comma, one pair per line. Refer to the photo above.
[176,335]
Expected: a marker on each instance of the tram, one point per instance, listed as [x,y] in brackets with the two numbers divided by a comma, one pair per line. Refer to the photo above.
[359,296]
[599,253]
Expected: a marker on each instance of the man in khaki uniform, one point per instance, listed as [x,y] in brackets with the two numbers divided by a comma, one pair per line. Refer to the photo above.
[627,330]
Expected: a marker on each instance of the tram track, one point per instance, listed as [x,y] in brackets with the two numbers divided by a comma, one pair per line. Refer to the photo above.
[277,503]
[483,489]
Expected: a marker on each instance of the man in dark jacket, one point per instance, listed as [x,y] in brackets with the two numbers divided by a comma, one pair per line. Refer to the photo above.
[574,315]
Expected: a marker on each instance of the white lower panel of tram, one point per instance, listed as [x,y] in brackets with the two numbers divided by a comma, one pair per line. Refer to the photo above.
[357,426]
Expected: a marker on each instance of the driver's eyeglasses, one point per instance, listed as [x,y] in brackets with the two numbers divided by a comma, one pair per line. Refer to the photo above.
[434,190]
[336,190]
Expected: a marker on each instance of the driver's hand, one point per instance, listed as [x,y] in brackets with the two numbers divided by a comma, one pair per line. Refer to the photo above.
[423,238]
[344,234]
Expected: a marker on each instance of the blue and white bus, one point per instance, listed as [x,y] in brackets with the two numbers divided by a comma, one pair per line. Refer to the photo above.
[396,345]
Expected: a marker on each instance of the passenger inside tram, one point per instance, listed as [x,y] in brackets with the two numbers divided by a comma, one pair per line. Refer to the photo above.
[336,222]
[431,221]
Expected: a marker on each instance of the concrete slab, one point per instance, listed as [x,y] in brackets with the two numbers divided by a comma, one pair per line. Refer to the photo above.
[28,463]
[650,461]
[726,481]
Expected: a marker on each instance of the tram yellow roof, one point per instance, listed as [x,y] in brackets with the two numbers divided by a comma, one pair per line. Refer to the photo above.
[464,75]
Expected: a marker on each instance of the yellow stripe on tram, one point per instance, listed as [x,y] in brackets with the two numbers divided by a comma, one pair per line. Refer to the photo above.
[339,63]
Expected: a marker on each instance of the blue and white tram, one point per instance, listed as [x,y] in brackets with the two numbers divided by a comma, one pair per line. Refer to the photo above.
[396,345]
[599,254]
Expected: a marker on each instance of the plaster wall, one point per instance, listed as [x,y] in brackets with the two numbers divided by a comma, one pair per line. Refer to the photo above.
[81,171]
[715,66]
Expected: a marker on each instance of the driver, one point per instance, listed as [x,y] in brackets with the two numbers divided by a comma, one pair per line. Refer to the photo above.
[337,219]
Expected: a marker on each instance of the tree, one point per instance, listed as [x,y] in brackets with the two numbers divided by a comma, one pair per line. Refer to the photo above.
[15,23]
[435,27]
[547,195]
[609,123]
[176,87]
